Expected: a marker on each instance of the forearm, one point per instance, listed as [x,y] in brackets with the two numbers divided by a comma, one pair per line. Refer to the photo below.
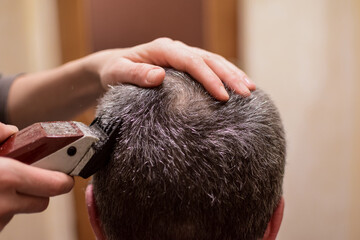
[56,94]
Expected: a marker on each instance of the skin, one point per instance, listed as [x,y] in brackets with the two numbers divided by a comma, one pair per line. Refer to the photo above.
[62,92]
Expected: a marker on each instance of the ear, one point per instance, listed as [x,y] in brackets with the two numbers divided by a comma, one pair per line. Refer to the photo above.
[275,221]
[93,215]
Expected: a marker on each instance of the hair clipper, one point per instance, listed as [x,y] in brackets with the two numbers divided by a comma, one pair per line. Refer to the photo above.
[66,146]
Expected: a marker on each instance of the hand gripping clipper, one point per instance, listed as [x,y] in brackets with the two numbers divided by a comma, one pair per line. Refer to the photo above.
[66,146]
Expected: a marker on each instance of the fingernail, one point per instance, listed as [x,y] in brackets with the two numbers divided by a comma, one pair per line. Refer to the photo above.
[152,76]
[248,81]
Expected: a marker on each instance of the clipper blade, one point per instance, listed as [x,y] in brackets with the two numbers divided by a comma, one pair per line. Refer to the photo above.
[103,149]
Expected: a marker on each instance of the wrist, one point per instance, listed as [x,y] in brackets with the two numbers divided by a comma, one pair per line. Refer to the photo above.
[93,64]
[86,69]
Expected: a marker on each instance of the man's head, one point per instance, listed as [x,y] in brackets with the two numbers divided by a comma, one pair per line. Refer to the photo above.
[186,166]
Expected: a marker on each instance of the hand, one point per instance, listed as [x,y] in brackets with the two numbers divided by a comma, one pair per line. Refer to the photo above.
[26,189]
[134,65]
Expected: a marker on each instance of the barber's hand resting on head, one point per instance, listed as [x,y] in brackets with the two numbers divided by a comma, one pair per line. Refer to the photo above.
[139,65]
[63,92]
[26,189]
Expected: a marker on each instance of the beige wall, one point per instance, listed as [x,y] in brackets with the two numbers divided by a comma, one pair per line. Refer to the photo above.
[305,53]
[29,33]
[29,42]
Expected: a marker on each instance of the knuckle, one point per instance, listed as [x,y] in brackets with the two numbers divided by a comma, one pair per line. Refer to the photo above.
[177,42]
[140,68]
[138,73]
[135,72]
[195,60]
[217,56]
[162,40]
[207,56]
[232,77]
[232,80]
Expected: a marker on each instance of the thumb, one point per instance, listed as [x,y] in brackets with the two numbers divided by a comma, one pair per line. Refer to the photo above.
[126,71]
[6,131]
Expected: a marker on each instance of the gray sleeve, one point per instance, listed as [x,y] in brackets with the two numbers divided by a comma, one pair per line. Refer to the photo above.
[5,83]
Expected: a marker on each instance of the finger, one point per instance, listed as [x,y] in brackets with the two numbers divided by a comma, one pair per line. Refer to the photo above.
[195,65]
[178,55]
[227,71]
[247,81]
[22,203]
[228,76]
[126,71]
[33,181]
[45,183]
[6,131]
[31,204]
[14,203]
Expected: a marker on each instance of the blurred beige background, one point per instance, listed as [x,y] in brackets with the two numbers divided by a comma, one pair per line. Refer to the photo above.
[30,42]
[305,53]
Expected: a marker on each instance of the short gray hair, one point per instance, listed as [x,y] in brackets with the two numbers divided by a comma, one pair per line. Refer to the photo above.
[187,166]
